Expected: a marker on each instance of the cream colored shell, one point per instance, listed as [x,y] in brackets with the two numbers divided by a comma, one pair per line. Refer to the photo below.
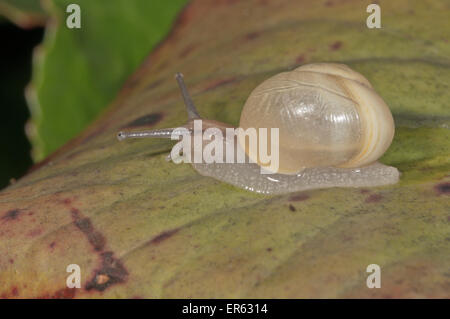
[328,116]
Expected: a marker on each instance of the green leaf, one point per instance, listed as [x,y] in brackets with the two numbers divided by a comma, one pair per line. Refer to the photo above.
[139,226]
[78,72]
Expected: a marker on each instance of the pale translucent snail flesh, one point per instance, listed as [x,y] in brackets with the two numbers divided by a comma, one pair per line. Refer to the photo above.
[333,127]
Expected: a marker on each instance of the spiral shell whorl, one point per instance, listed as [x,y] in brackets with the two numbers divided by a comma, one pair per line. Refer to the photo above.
[327,115]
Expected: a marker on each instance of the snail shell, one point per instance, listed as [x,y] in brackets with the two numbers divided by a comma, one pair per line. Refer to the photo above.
[332,125]
[328,116]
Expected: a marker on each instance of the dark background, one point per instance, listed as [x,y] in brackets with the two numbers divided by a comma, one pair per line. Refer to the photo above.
[15,65]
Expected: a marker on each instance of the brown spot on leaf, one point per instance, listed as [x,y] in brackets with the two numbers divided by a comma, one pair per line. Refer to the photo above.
[111,272]
[67,201]
[10,293]
[374,198]
[146,120]
[252,35]
[364,191]
[185,52]
[65,293]
[163,236]
[443,188]
[300,59]
[95,238]
[298,197]
[292,208]
[336,46]
[35,232]
[11,215]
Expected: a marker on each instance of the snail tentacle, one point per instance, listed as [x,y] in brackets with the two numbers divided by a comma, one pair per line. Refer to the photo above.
[158,133]
[190,106]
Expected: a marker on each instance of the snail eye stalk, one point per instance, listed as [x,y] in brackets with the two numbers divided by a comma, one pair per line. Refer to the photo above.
[159,133]
[190,107]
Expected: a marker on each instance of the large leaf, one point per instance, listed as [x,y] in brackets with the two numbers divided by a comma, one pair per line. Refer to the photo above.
[139,226]
[77,72]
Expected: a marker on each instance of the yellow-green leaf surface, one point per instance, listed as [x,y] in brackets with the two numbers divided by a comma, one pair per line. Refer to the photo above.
[139,226]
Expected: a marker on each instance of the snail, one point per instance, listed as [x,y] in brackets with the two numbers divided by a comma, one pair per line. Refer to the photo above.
[332,127]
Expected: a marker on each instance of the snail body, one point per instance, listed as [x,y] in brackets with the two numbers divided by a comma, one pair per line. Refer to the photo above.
[332,126]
